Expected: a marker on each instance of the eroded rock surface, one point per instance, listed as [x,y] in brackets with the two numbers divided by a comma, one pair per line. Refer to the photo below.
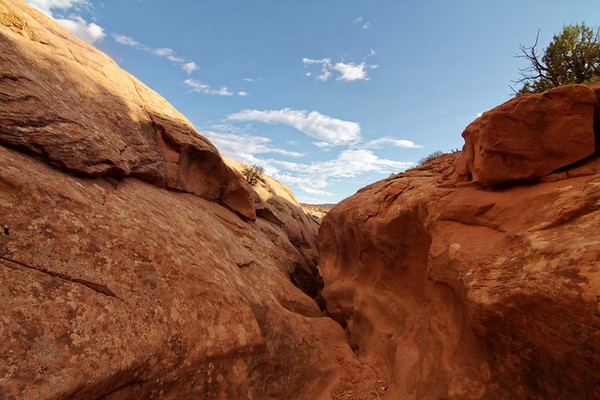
[529,136]
[72,106]
[458,291]
[133,265]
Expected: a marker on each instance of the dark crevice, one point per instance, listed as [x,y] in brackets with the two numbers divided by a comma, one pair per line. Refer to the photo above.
[124,387]
[244,264]
[222,204]
[309,282]
[268,215]
[96,287]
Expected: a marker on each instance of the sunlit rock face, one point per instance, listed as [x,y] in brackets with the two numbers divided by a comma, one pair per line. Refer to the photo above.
[135,264]
[459,290]
[529,136]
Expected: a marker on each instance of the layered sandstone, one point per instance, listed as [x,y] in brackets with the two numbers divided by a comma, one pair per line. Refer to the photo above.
[455,290]
[134,263]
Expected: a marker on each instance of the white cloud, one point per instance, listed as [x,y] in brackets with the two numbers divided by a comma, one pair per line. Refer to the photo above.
[248,80]
[312,178]
[199,87]
[243,147]
[310,190]
[164,52]
[388,141]
[88,32]
[363,23]
[125,40]
[325,67]
[47,6]
[190,67]
[346,71]
[351,71]
[169,54]
[350,163]
[330,130]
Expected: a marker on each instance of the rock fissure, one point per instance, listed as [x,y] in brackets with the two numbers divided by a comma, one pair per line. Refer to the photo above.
[96,287]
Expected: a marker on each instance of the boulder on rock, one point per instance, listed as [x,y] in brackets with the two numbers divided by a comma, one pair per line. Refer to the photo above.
[529,137]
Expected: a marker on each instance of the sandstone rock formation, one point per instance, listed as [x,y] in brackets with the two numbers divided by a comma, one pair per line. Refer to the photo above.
[529,136]
[455,290]
[277,204]
[72,106]
[135,263]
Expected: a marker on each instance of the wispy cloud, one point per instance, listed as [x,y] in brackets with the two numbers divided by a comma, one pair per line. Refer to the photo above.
[315,177]
[89,32]
[163,52]
[311,178]
[190,67]
[345,71]
[325,67]
[244,147]
[125,40]
[364,24]
[388,141]
[169,54]
[200,87]
[329,130]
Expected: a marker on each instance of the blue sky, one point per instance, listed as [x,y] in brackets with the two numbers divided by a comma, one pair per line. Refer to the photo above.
[327,95]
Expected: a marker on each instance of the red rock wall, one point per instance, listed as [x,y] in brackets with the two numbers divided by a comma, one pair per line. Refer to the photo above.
[454,290]
[134,266]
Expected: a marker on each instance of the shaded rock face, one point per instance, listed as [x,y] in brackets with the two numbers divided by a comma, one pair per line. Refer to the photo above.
[458,291]
[275,203]
[529,136]
[132,262]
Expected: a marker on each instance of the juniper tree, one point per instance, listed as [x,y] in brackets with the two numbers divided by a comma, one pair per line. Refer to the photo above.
[573,56]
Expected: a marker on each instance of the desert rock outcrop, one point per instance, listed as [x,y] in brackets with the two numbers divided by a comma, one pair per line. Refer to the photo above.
[462,291]
[529,136]
[70,105]
[134,264]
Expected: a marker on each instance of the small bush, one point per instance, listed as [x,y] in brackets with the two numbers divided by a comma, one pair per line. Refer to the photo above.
[430,157]
[253,174]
